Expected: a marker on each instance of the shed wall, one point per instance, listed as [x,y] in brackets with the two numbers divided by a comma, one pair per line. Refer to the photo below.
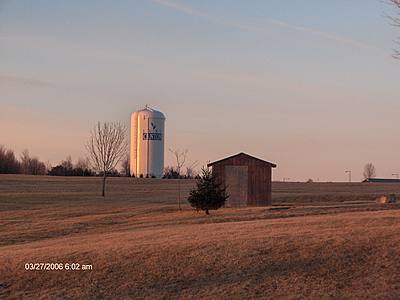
[259,187]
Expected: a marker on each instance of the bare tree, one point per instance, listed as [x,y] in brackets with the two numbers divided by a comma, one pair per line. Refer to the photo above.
[180,157]
[82,167]
[126,166]
[190,170]
[82,163]
[48,166]
[107,146]
[369,171]
[67,164]
[8,161]
[31,166]
[36,167]
[395,20]
[25,161]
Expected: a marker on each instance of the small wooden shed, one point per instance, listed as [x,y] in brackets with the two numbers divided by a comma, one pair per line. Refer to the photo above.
[248,180]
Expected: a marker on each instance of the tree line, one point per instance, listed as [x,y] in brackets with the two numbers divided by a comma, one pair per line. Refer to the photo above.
[26,164]
[67,168]
[10,164]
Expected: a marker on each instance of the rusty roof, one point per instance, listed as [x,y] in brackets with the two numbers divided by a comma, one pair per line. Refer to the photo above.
[242,154]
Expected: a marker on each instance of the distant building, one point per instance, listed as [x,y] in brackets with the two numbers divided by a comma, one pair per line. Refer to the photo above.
[382,180]
[248,179]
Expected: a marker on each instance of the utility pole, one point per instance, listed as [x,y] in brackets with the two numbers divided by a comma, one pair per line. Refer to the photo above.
[179,188]
[349,172]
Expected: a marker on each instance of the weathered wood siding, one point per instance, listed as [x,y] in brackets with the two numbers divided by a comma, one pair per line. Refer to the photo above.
[236,179]
[259,186]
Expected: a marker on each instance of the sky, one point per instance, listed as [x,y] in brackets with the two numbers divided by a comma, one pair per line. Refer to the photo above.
[307,84]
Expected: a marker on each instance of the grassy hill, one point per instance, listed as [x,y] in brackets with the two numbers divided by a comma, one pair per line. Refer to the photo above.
[321,240]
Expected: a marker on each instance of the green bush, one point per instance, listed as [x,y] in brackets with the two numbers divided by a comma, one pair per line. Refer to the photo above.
[208,194]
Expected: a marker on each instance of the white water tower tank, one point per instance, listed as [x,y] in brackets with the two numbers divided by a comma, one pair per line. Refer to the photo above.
[147,143]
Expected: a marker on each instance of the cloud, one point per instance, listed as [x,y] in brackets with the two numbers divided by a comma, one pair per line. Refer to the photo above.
[180,7]
[6,80]
[339,39]
[194,12]
[326,35]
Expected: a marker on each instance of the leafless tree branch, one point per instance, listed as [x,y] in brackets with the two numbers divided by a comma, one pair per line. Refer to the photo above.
[180,157]
[106,147]
[369,171]
[395,21]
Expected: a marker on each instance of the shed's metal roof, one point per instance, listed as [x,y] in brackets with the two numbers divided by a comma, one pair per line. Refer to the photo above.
[242,154]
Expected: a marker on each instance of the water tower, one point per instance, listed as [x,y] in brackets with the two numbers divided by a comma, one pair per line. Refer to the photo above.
[147,143]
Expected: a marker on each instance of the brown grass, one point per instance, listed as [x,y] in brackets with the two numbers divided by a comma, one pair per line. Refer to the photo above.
[330,241]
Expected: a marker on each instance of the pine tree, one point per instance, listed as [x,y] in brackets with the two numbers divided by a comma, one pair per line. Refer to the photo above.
[208,194]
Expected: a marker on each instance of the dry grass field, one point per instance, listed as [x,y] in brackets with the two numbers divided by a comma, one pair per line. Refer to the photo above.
[320,240]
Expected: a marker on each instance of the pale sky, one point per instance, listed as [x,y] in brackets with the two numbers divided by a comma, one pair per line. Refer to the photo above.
[307,84]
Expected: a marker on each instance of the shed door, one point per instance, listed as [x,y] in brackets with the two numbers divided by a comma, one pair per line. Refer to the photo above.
[236,180]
